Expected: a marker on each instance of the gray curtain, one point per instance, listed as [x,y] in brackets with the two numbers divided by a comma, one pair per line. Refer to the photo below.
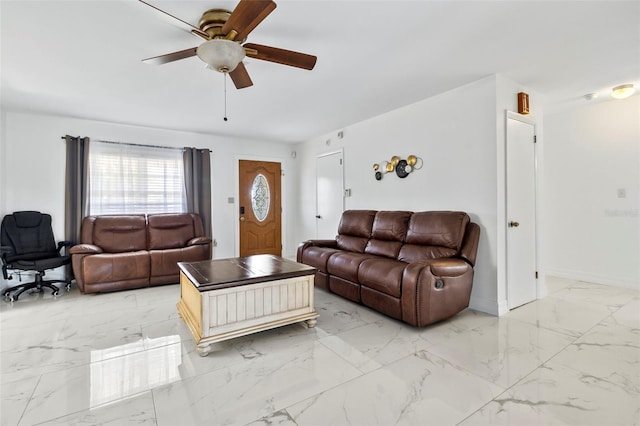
[197,179]
[76,186]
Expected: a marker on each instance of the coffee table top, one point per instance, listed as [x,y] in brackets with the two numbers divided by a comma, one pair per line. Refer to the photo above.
[222,273]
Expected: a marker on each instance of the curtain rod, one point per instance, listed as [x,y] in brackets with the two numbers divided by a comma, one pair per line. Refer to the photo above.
[138,144]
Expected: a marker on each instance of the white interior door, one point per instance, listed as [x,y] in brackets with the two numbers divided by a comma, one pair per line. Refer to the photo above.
[521,216]
[329,194]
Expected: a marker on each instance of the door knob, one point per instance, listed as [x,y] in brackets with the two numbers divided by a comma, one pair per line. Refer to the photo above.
[513,224]
[242,219]
[318,216]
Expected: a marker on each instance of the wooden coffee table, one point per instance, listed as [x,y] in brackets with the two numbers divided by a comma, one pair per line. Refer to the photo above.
[226,298]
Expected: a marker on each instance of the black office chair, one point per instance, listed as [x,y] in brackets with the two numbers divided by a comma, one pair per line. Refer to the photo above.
[28,244]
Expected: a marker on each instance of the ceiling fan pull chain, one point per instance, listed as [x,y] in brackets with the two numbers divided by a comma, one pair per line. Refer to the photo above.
[225,96]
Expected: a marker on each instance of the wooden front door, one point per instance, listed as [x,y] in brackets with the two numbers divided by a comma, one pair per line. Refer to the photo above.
[260,208]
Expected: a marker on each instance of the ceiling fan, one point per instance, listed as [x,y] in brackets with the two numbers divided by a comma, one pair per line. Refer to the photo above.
[224,32]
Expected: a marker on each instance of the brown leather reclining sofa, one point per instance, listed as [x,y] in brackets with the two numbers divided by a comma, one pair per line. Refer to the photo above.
[415,267]
[132,251]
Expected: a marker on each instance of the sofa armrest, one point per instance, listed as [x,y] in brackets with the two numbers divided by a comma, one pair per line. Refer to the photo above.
[199,241]
[318,243]
[469,248]
[85,249]
[448,267]
[434,290]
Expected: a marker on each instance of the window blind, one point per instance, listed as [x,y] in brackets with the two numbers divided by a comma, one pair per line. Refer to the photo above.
[133,179]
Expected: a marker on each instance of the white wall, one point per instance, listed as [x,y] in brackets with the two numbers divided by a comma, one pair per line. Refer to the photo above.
[455,135]
[32,162]
[592,151]
[460,135]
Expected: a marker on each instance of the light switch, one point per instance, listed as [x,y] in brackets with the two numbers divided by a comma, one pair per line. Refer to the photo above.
[622,193]
[230,200]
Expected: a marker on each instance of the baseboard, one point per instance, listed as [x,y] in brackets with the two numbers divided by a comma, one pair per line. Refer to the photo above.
[491,307]
[594,278]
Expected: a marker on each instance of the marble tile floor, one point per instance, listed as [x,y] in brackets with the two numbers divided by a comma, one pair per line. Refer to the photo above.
[572,358]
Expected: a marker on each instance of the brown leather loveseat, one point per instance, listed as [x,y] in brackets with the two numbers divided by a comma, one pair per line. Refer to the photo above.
[132,251]
[415,267]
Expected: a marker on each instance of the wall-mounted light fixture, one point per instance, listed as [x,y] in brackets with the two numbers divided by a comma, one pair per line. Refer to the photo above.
[523,103]
[623,91]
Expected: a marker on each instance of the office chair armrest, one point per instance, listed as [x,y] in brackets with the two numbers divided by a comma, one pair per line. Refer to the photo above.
[62,244]
[4,250]
[85,249]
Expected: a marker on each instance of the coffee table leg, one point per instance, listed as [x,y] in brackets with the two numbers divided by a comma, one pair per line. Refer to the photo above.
[204,349]
[311,322]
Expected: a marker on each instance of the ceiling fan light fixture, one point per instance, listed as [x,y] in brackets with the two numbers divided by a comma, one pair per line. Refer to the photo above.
[623,91]
[220,54]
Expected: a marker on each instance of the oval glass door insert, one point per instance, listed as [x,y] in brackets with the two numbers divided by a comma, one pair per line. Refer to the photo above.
[260,197]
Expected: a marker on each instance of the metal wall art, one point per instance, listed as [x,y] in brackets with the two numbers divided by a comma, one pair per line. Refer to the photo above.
[402,167]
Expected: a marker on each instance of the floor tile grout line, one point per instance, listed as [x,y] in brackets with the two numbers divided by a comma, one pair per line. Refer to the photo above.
[544,362]
[30,399]
[106,404]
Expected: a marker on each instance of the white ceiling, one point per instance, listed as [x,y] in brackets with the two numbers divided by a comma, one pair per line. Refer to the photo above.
[82,59]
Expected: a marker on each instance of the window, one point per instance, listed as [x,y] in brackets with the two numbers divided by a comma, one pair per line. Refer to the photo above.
[130,179]
[260,197]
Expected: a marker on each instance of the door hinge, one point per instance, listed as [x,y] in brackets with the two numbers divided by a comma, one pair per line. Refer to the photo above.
[536,275]
[341,161]
[535,139]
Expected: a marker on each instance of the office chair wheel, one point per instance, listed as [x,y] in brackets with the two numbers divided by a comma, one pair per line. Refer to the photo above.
[54,293]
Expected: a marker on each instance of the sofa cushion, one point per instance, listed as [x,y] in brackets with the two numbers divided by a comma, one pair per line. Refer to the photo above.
[349,243]
[387,234]
[120,234]
[345,264]
[390,225]
[168,231]
[99,268]
[383,248]
[354,230]
[165,262]
[317,257]
[414,253]
[441,228]
[383,275]
[357,223]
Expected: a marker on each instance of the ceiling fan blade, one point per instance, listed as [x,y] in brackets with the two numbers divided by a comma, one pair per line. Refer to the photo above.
[246,16]
[281,56]
[240,77]
[183,24]
[170,57]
